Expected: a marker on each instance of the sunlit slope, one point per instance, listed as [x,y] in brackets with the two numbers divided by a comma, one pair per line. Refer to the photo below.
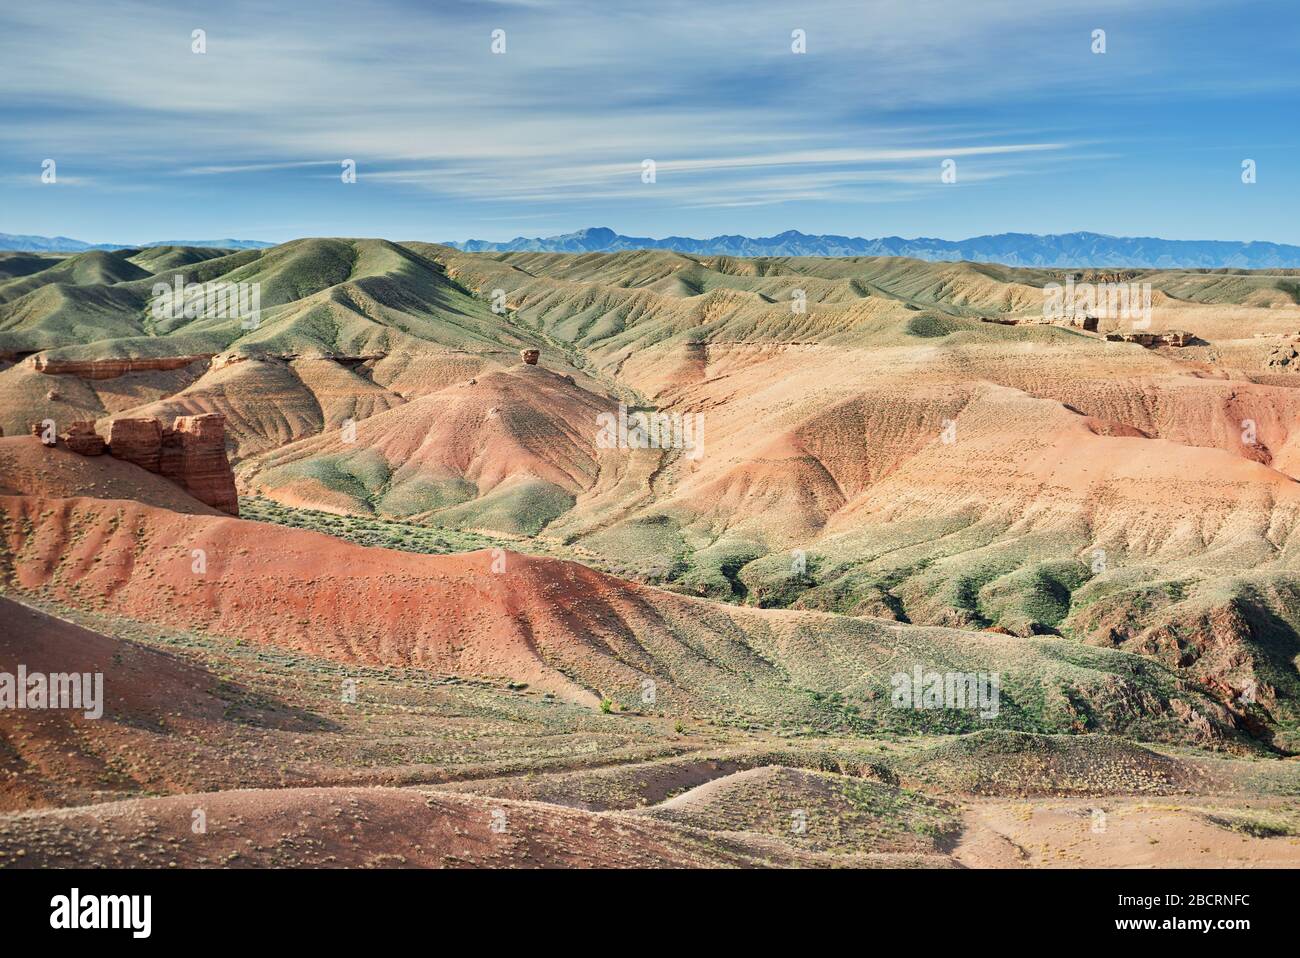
[389,321]
[509,450]
[563,628]
[870,444]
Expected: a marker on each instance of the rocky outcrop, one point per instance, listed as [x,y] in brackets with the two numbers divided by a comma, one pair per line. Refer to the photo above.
[109,368]
[138,441]
[1169,337]
[46,436]
[1086,323]
[81,438]
[1104,276]
[191,453]
[530,356]
[1286,356]
[194,456]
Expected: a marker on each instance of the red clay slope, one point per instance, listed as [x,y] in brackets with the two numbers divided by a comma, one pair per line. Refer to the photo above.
[558,626]
[372,827]
[28,468]
[158,715]
[538,620]
[508,426]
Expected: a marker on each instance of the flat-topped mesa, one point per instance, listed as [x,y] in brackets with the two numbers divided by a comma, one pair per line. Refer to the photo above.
[191,453]
[530,356]
[110,368]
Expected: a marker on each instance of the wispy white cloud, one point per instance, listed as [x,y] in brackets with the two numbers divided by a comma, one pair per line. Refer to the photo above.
[395,83]
[222,170]
[585,92]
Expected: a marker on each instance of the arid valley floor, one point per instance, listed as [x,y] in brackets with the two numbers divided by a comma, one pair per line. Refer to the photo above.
[451,627]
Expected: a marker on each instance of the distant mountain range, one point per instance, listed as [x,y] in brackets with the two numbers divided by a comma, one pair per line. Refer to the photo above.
[64,244]
[1011,249]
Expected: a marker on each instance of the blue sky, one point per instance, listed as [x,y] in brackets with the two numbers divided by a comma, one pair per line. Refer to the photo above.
[451,141]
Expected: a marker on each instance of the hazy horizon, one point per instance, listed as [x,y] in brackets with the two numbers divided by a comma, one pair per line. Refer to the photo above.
[218,234]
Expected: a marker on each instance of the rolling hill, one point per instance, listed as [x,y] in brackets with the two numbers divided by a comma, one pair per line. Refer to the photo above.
[881,436]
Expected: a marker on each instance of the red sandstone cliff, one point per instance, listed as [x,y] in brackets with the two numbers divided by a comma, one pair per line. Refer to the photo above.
[199,460]
[191,453]
[109,368]
[136,440]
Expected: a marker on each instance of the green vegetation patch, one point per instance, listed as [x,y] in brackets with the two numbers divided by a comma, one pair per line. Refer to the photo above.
[524,508]
[1258,824]
[715,571]
[929,326]
[360,475]
[1035,599]
[424,494]
[367,531]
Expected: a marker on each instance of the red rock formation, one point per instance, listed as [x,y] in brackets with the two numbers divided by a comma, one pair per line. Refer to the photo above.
[530,356]
[109,368]
[136,440]
[191,453]
[171,458]
[37,429]
[82,439]
[1169,337]
[201,460]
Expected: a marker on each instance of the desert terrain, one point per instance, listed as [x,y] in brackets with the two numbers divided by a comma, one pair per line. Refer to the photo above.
[368,587]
